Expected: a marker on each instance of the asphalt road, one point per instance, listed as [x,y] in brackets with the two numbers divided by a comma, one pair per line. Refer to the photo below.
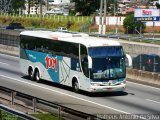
[137,98]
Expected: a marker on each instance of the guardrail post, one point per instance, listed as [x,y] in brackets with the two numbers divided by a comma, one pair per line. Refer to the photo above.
[34,102]
[59,113]
[13,93]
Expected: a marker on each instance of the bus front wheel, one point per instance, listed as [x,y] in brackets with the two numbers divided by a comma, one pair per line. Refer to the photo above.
[75,86]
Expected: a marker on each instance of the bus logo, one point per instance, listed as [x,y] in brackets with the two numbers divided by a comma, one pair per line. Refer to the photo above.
[51,62]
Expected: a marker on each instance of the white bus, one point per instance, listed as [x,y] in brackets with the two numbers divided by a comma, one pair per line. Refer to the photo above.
[73,59]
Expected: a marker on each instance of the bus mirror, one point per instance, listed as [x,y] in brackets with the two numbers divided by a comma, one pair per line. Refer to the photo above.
[128,60]
[89,62]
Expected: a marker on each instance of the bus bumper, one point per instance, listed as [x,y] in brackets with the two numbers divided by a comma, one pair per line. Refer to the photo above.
[116,88]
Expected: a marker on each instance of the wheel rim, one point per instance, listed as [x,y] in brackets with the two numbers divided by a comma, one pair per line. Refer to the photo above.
[37,76]
[76,87]
[31,74]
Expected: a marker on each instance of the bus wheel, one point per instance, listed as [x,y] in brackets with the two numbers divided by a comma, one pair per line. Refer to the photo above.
[30,73]
[37,76]
[75,86]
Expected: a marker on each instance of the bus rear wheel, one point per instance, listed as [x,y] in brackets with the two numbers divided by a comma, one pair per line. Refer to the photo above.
[37,76]
[30,73]
[75,86]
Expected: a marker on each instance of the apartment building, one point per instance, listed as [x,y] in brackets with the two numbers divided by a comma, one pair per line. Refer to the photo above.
[48,7]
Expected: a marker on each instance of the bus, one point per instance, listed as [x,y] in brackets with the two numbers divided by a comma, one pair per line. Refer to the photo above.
[73,59]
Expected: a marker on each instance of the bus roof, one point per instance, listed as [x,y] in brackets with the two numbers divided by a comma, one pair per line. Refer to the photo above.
[81,38]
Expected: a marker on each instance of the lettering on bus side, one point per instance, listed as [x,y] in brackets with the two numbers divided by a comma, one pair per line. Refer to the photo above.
[51,62]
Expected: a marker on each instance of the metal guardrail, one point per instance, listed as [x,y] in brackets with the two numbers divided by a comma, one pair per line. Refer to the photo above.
[61,109]
[127,37]
[17,113]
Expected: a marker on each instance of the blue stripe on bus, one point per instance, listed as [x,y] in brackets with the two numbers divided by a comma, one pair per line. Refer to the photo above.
[49,61]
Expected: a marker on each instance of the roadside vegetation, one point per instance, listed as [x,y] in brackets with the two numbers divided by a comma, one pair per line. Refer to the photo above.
[73,23]
[41,116]
[7,116]
[133,27]
[45,116]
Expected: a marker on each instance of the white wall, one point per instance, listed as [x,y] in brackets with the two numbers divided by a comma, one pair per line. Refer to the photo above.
[119,21]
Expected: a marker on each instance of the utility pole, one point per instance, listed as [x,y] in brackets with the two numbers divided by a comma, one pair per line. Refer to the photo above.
[104,20]
[40,13]
[115,6]
[47,4]
[100,18]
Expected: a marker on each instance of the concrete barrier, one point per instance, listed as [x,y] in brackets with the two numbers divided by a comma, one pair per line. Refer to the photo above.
[9,50]
[143,76]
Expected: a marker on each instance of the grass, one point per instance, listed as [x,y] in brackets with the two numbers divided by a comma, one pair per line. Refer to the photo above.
[45,116]
[42,116]
[7,116]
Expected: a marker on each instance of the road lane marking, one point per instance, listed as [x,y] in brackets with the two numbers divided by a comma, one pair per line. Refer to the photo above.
[144,85]
[4,63]
[153,101]
[67,95]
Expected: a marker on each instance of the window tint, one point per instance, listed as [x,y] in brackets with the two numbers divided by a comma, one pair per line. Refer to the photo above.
[64,48]
[42,45]
[83,51]
[27,42]
[50,46]
[84,60]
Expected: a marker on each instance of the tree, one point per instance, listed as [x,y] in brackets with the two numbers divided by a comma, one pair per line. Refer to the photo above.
[158,5]
[17,5]
[86,7]
[130,25]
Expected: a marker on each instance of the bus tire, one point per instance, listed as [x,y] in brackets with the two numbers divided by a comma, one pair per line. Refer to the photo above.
[37,75]
[75,85]
[30,73]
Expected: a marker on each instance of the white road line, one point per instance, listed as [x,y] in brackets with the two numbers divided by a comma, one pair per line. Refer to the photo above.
[4,63]
[153,101]
[143,85]
[67,95]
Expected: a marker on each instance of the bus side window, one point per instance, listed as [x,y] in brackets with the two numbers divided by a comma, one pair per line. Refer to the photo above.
[84,60]
[22,46]
[26,46]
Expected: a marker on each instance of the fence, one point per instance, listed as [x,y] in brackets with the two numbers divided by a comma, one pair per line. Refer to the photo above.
[80,19]
[60,111]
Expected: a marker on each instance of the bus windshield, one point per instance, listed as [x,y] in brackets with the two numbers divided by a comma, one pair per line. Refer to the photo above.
[107,63]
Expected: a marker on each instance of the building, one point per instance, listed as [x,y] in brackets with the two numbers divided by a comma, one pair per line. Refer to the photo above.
[50,7]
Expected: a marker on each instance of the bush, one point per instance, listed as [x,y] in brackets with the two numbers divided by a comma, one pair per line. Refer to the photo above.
[130,25]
